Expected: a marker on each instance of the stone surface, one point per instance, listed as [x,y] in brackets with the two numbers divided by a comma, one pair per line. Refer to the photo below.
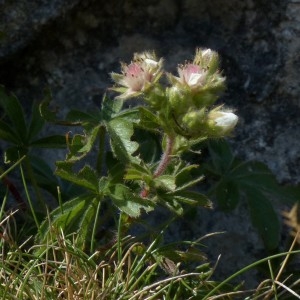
[71,46]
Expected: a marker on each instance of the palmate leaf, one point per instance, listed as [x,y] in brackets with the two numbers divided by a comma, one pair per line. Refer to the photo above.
[263,217]
[7,133]
[165,182]
[128,202]
[81,144]
[193,198]
[15,113]
[227,194]
[110,108]
[48,114]
[74,216]
[256,175]
[36,123]
[221,155]
[78,116]
[139,172]
[120,132]
[148,120]
[52,141]
[171,203]
[86,177]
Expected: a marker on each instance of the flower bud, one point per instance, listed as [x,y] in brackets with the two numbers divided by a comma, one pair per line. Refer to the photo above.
[179,100]
[207,59]
[155,97]
[221,122]
[194,123]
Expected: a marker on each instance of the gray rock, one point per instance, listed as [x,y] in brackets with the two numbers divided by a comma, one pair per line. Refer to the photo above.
[22,21]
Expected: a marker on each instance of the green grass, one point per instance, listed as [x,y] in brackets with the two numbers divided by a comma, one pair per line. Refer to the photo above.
[127,269]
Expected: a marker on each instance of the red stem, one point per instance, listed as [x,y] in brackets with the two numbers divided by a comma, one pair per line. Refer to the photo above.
[166,157]
[163,164]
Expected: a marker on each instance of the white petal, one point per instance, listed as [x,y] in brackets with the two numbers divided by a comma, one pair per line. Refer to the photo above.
[195,79]
[228,120]
[152,63]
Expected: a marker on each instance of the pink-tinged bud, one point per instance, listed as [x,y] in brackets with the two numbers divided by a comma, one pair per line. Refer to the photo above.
[207,59]
[222,122]
[144,71]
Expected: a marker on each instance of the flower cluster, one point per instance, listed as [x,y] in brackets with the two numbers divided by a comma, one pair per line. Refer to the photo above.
[185,107]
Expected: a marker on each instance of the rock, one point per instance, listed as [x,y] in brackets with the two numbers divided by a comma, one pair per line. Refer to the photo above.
[22,21]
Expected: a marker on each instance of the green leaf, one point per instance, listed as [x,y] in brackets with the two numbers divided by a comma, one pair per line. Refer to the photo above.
[255,175]
[264,218]
[221,155]
[48,114]
[75,216]
[171,203]
[79,116]
[138,172]
[81,145]
[120,132]
[193,198]
[228,195]
[15,113]
[149,145]
[166,182]
[7,133]
[13,154]
[52,141]
[44,175]
[131,115]
[86,177]
[110,107]
[149,121]
[36,122]
[128,202]
[116,169]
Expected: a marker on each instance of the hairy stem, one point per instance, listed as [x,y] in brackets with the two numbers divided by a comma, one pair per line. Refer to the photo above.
[166,157]
[163,164]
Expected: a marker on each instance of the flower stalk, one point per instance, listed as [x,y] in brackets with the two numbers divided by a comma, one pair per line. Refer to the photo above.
[166,157]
